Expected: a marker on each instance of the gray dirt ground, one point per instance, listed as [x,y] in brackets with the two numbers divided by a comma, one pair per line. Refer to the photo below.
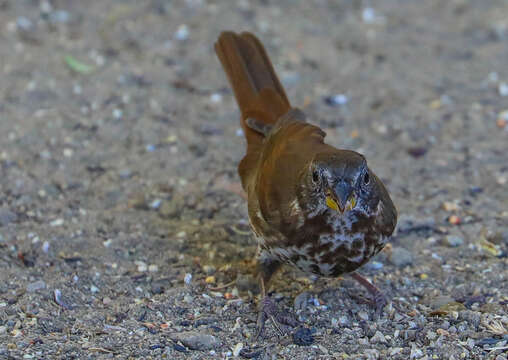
[118,178]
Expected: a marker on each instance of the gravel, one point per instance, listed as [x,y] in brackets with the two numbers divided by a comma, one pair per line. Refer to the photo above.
[401,257]
[195,340]
[454,240]
[7,217]
[123,226]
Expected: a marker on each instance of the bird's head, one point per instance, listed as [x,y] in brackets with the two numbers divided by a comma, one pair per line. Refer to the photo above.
[341,181]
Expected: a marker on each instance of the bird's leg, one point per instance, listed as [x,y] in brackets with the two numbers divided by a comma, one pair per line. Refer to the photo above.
[378,298]
[268,309]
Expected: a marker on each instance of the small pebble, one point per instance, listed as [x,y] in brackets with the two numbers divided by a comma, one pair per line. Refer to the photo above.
[368,15]
[454,240]
[344,321]
[437,257]
[215,98]
[238,347]
[58,299]
[24,24]
[416,353]
[503,89]
[431,335]
[362,315]
[45,247]
[57,222]
[454,220]
[502,119]
[153,268]
[303,337]
[35,286]
[450,206]
[7,217]
[209,269]
[195,340]
[125,173]
[336,100]
[155,204]
[117,113]
[187,279]
[378,338]
[141,266]
[401,257]
[94,289]
[182,33]
[59,16]
[493,77]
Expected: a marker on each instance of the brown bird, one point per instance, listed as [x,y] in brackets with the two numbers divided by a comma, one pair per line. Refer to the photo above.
[313,206]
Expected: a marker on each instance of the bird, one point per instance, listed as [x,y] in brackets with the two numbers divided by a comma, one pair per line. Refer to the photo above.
[310,205]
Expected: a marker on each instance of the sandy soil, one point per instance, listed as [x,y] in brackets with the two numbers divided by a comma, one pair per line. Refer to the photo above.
[123,233]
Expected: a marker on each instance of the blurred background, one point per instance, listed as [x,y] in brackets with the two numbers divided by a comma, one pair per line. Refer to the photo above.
[123,229]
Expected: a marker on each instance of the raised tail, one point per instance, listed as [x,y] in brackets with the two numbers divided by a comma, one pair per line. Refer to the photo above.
[257,89]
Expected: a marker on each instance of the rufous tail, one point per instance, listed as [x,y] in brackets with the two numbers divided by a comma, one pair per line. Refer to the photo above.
[257,89]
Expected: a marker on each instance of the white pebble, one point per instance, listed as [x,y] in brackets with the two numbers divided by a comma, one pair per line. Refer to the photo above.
[187,279]
[155,204]
[503,89]
[45,247]
[339,99]
[215,98]
[238,347]
[182,33]
[368,15]
[117,113]
[57,222]
[142,267]
[68,152]
[94,289]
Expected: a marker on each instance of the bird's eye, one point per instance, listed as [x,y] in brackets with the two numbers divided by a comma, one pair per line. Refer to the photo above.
[315,177]
[366,178]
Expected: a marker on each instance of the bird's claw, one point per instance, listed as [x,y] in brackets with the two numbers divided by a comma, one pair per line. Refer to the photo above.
[269,310]
[379,302]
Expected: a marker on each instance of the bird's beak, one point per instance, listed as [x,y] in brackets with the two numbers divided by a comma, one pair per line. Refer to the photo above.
[342,198]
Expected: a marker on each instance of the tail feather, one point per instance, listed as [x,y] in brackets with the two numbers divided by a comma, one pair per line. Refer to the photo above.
[257,89]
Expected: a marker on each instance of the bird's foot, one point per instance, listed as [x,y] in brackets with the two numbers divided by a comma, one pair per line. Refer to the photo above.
[378,300]
[281,320]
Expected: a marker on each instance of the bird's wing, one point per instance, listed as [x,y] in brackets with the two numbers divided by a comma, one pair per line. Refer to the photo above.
[286,155]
